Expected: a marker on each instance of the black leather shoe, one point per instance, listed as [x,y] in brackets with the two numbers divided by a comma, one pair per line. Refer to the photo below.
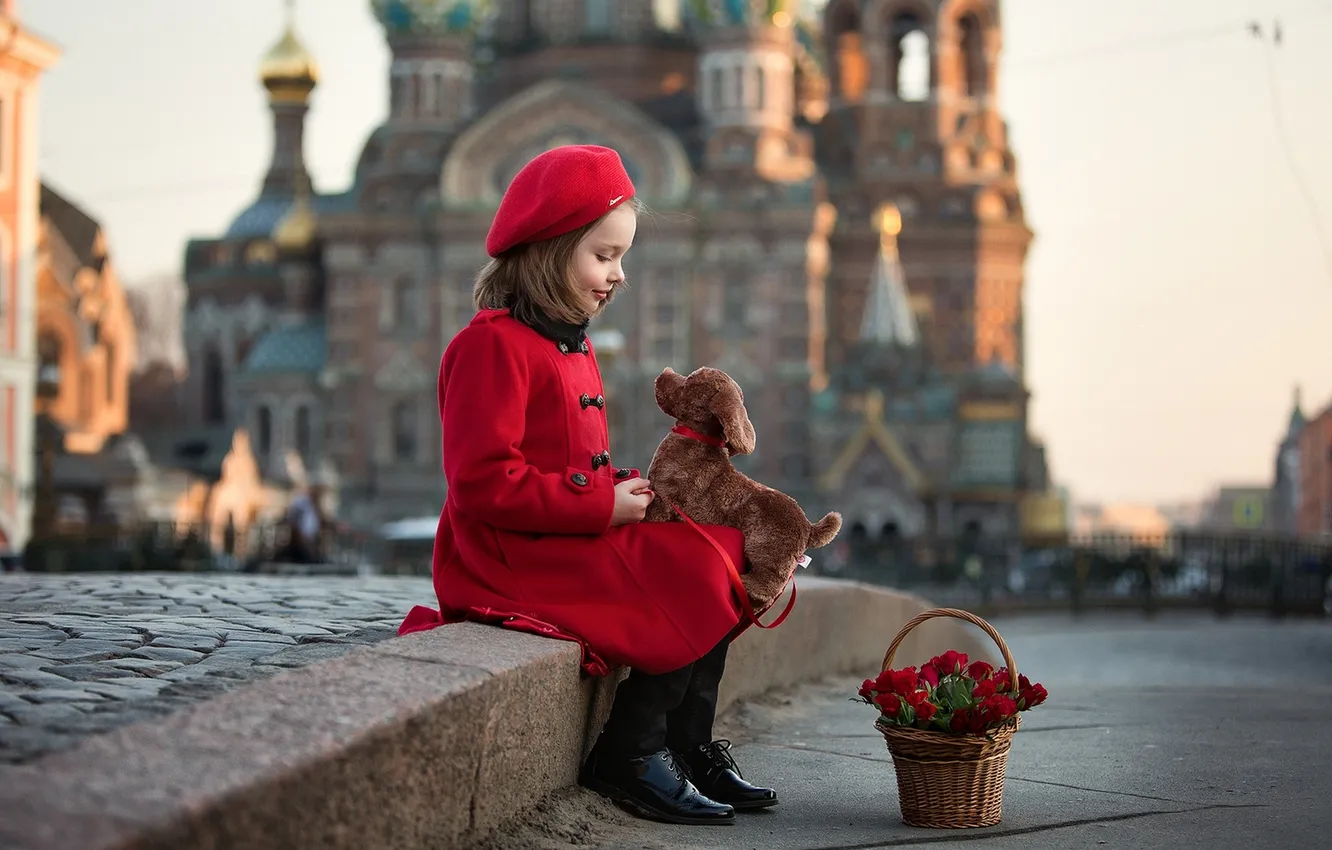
[654,787]
[715,774]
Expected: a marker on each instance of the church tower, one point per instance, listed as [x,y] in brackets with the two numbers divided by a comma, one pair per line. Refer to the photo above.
[756,196]
[634,49]
[430,78]
[290,75]
[432,96]
[914,120]
[746,92]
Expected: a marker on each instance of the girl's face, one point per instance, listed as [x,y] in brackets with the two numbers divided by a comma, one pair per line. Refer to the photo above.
[597,261]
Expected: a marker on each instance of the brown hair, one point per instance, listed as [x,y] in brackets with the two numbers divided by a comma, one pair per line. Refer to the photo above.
[536,279]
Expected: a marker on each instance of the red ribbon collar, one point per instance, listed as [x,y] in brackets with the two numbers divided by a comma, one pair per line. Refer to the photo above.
[686,431]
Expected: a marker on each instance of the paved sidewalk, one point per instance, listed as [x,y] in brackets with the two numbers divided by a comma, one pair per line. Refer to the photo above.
[82,654]
[1183,733]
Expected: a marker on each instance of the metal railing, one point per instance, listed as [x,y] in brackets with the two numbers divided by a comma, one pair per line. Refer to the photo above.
[1222,572]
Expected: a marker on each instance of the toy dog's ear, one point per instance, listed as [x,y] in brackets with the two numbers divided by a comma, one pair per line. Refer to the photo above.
[668,387]
[736,427]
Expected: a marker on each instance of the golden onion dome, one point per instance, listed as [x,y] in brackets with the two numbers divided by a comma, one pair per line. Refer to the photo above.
[295,233]
[288,62]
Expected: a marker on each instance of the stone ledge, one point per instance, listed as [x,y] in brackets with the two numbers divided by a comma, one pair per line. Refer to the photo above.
[429,740]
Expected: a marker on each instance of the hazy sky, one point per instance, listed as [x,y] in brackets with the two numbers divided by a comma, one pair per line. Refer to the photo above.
[1178,288]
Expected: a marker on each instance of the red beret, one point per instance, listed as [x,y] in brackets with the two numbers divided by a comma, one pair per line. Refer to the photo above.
[558,192]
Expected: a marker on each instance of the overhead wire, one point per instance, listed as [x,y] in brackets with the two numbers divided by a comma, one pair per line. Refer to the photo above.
[1270,45]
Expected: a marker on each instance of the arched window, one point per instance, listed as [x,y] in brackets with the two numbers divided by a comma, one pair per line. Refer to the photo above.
[404,430]
[303,431]
[395,93]
[263,431]
[48,364]
[401,310]
[850,65]
[973,56]
[214,404]
[909,59]
[597,16]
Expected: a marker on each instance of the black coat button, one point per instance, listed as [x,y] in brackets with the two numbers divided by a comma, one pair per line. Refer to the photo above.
[584,347]
[599,401]
[602,459]
[579,478]
[564,348]
[623,473]
[585,400]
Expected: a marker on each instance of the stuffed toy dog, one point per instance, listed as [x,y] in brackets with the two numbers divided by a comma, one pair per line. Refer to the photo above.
[692,470]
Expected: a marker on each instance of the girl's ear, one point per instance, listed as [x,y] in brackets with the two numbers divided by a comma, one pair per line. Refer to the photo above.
[667,388]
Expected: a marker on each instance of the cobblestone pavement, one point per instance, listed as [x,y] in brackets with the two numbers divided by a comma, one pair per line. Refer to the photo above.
[83,654]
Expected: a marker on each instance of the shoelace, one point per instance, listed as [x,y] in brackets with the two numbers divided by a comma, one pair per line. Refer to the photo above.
[673,765]
[719,753]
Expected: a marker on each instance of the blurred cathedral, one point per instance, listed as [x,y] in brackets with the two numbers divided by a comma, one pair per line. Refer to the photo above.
[101,347]
[836,222]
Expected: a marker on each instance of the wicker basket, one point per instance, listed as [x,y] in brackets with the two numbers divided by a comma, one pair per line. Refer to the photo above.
[950,781]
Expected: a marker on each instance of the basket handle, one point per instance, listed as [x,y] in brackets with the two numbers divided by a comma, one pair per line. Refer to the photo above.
[960,615]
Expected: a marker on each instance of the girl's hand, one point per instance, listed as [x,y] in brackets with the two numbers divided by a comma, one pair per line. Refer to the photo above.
[632,498]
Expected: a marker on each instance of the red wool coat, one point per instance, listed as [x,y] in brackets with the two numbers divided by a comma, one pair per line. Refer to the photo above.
[524,539]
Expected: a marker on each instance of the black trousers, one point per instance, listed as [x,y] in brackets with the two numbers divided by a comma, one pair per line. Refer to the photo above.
[671,710]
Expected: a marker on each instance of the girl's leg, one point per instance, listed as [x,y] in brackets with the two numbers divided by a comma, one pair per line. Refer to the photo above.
[630,762]
[689,724]
[637,723]
[689,733]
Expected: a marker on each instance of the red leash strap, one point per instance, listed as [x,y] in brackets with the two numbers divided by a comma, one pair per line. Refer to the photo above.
[734,575]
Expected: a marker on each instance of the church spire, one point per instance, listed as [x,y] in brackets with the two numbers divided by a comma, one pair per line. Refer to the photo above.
[889,319]
[289,73]
[1297,420]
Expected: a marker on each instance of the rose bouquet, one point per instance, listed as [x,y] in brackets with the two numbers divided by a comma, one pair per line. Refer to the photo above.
[951,694]
[949,727]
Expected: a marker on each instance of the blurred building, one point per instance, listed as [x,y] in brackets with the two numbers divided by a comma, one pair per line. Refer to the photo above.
[23,58]
[1315,512]
[1238,508]
[86,340]
[94,470]
[1121,518]
[1286,480]
[837,224]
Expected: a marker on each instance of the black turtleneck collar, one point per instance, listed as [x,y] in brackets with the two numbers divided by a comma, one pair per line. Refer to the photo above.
[573,336]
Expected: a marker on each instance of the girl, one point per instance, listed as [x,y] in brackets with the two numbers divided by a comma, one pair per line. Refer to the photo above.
[541,532]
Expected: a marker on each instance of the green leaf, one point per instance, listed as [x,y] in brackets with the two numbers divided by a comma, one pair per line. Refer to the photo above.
[954,693]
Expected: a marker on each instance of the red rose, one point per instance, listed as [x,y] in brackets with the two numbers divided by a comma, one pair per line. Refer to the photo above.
[867,689]
[1032,696]
[929,676]
[925,711]
[904,681]
[960,722]
[983,689]
[978,723]
[998,707]
[889,705]
[950,662]
[980,670]
[1003,678]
